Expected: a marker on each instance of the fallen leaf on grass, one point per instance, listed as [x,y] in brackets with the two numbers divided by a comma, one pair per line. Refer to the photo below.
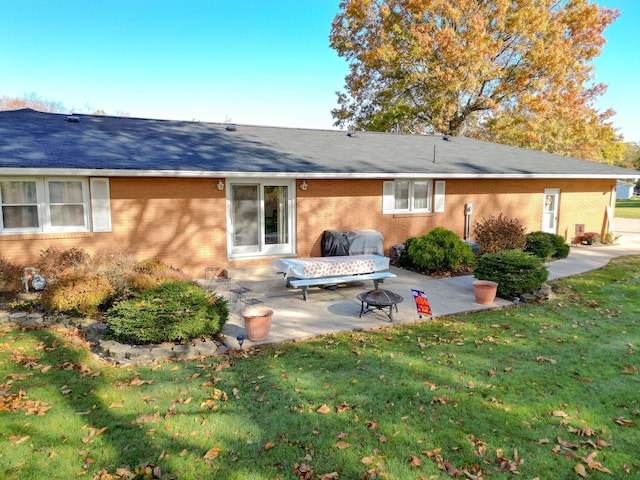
[303,471]
[21,440]
[558,413]
[414,461]
[567,445]
[323,409]
[268,446]
[148,418]
[624,422]
[328,476]
[580,470]
[545,359]
[212,453]
[342,445]
[593,465]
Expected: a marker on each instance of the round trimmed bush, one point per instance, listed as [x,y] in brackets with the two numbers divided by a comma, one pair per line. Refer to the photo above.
[440,250]
[176,311]
[516,272]
[562,247]
[546,245]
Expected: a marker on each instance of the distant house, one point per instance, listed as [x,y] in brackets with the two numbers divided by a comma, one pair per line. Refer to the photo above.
[624,189]
[203,194]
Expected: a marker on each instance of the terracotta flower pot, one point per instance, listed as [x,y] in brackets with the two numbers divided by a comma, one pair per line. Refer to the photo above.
[485,291]
[257,323]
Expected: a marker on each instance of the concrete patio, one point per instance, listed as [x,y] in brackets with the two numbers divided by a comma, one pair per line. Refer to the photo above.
[337,310]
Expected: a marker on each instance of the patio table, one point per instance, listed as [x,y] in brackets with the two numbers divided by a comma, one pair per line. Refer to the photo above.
[317,267]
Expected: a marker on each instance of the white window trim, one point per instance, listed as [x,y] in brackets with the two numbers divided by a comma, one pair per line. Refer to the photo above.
[97,209]
[436,197]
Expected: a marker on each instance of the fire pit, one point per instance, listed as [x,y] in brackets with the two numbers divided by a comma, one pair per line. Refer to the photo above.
[379,300]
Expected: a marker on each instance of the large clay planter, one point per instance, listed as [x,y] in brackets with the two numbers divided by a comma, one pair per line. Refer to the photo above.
[257,323]
[485,291]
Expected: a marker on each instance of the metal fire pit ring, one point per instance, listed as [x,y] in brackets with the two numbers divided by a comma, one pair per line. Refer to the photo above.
[379,299]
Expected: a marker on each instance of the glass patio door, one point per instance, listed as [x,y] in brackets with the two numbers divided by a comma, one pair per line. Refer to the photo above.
[260,220]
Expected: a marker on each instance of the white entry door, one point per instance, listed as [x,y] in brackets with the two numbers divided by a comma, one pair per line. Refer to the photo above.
[550,210]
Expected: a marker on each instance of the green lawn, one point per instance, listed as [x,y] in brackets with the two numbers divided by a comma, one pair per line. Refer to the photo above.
[550,391]
[628,208]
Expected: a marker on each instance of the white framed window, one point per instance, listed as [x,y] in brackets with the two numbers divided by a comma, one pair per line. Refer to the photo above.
[413,196]
[53,204]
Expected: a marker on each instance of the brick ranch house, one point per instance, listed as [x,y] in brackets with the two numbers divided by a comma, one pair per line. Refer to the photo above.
[198,195]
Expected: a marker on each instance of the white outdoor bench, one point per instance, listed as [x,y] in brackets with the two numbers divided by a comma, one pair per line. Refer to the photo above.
[305,283]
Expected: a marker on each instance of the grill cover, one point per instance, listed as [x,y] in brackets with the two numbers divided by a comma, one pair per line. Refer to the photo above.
[334,243]
[365,242]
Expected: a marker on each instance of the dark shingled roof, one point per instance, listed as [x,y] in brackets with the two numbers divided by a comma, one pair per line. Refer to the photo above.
[35,142]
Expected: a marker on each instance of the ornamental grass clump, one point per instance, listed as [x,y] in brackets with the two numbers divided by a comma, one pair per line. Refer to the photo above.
[77,293]
[438,251]
[516,272]
[176,311]
[10,275]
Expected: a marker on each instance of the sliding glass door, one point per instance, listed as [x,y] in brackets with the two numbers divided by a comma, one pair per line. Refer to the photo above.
[260,219]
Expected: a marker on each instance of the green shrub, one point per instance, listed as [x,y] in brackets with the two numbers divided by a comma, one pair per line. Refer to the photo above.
[172,312]
[495,234]
[540,244]
[10,275]
[404,260]
[79,293]
[440,250]
[591,238]
[516,272]
[562,247]
[546,245]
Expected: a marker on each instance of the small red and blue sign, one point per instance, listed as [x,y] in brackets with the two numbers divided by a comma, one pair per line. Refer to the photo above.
[422,304]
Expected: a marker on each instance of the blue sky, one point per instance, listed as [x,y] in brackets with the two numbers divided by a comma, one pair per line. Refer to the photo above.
[250,61]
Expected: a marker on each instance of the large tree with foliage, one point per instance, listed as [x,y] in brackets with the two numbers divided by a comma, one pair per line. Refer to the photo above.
[512,71]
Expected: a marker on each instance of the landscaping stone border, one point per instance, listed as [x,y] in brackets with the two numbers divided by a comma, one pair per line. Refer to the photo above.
[95,333]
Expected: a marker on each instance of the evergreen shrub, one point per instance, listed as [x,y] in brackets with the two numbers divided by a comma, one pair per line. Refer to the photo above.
[546,245]
[516,272]
[440,250]
[176,311]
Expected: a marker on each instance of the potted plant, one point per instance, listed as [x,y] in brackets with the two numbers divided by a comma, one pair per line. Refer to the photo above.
[485,291]
[257,322]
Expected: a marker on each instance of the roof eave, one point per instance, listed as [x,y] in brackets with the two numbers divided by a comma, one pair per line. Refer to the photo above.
[89,172]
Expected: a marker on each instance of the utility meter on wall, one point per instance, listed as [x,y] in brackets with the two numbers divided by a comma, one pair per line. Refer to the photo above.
[468,208]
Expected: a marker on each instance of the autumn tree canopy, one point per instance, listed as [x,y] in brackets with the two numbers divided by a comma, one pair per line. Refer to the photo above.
[512,71]
[31,101]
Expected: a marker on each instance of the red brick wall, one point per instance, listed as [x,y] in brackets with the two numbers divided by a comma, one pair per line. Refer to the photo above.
[183,221]
[348,205]
[180,221]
